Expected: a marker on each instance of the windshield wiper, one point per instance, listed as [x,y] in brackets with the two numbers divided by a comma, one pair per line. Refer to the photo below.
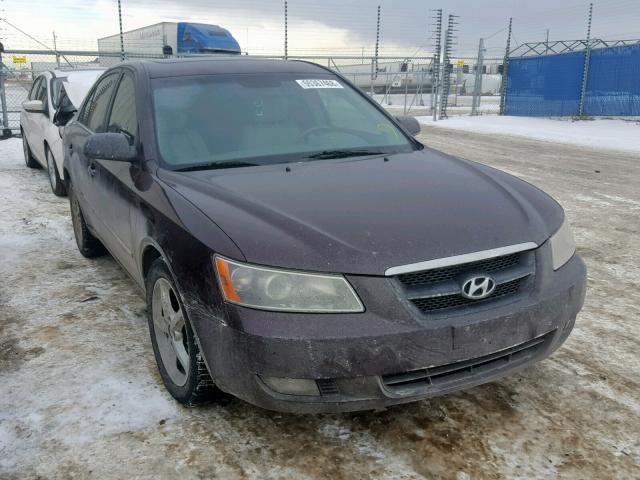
[214,166]
[329,154]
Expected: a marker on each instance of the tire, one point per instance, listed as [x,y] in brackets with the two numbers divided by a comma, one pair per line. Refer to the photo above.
[58,187]
[88,245]
[179,360]
[29,159]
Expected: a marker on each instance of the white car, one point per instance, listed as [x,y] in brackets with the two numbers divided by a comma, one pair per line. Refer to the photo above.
[53,99]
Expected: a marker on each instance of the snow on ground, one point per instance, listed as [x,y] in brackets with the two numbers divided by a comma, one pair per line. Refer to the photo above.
[80,395]
[418,105]
[607,134]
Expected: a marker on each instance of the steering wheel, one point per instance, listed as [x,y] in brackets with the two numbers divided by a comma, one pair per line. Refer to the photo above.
[327,129]
[318,129]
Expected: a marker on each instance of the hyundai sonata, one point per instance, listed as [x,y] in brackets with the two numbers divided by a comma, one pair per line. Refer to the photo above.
[299,249]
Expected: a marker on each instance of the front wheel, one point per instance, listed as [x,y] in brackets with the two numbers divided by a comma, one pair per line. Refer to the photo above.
[29,159]
[57,184]
[179,360]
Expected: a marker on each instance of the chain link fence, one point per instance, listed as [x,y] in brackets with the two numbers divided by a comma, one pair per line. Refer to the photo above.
[404,86]
[590,82]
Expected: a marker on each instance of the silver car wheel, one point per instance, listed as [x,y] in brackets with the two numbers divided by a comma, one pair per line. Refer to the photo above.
[170,332]
[51,169]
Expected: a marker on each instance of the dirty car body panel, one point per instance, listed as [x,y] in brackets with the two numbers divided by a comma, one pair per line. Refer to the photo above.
[406,229]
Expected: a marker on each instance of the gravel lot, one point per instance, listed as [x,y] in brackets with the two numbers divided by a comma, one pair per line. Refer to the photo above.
[80,396]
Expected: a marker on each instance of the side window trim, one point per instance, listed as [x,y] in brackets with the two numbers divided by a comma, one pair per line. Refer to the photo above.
[85,104]
[89,99]
[113,98]
[124,74]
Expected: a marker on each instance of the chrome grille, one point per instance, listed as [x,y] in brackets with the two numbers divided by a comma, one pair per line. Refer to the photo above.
[452,301]
[439,289]
[428,277]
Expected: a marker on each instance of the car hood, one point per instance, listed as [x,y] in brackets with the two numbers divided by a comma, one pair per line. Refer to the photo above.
[363,216]
[77,84]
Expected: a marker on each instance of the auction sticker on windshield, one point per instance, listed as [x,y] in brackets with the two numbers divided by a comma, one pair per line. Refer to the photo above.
[319,83]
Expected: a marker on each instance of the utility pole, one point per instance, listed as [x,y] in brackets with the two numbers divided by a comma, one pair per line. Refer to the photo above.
[449,37]
[505,70]
[477,86]
[435,67]
[587,60]
[55,49]
[286,32]
[121,35]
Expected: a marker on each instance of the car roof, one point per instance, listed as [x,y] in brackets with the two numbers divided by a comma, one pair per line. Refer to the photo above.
[212,65]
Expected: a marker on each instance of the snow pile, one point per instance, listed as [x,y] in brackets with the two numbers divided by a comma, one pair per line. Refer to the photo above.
[603,134]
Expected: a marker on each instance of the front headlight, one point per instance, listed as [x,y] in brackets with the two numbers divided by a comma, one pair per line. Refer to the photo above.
[284,290]
[562,245]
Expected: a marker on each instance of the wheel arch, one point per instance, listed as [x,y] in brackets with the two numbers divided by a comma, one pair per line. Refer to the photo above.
[150,253]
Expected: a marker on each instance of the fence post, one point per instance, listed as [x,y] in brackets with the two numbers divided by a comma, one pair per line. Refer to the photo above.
[585,69]
[446,72]
[435,64]
[406,89]
[121,34]
[6,131]
[505,71]
[477,85]
[377,43]
[371,85]
[286,32]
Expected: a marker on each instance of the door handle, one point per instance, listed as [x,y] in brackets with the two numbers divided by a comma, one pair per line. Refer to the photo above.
[91,169]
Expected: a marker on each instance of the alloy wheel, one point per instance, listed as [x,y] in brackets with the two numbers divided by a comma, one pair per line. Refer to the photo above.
[170,331]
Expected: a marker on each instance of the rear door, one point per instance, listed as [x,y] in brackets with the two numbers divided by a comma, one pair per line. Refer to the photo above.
[91,119]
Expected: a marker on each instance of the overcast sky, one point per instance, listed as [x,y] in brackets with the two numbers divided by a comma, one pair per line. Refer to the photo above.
[323,26]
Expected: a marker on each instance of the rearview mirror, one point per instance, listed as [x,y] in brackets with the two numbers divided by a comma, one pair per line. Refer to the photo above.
[33,106]
[410,124]
[110,146]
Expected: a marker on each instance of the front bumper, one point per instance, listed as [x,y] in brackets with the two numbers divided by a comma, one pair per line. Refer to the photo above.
[365,357]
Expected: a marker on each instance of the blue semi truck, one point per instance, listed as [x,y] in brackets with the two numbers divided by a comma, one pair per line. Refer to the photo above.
[171,37]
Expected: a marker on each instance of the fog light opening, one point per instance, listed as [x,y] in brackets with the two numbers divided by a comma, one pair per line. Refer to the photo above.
[292,386]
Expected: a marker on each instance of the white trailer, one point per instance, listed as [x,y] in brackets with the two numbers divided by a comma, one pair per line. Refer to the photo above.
[174,37]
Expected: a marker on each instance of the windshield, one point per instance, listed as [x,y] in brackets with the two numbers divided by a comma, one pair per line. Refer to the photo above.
[218,121]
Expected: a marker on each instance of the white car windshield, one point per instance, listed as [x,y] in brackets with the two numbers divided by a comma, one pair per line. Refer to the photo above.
[256,119]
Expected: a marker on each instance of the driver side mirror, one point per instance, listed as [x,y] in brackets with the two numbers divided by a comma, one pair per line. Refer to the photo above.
[410,124]
[33,106]
[110,146]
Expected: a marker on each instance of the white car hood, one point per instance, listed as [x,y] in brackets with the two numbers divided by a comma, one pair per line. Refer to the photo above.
[77,84]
